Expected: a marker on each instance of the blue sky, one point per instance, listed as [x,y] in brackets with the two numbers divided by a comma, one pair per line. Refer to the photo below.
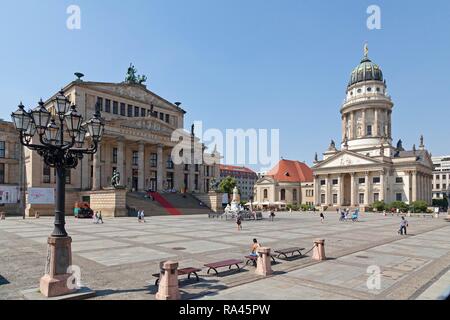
[241,64]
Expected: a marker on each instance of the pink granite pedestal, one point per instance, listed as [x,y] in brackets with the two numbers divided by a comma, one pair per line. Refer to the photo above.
[319,250]
[168,283]
[263,264]
[59,257]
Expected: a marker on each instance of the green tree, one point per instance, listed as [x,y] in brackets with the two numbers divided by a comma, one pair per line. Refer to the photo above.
[402,206]
[419,206]
[227,185]
[379,205]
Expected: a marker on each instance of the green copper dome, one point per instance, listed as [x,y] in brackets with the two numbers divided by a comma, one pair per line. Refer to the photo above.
[365,71]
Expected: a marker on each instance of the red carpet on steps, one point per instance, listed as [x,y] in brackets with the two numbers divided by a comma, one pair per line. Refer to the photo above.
[166,205]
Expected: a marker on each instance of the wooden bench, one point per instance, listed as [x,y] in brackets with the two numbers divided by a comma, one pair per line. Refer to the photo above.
[181,272]
[253,259]
[285,252]
[220,264]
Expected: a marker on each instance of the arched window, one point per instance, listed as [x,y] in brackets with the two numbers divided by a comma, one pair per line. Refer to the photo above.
[265,193]
[294,195]
[282,195]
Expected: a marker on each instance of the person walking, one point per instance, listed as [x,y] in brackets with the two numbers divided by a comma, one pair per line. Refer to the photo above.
[99,217]
[403,225]
[95,217]
[142,216]
[322,217]
[139,216]
[239,222]
[272,215]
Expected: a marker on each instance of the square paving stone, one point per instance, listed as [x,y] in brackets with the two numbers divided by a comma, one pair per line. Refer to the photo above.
[197,246]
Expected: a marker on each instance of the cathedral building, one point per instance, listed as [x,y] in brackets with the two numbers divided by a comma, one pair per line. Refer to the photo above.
[368,167]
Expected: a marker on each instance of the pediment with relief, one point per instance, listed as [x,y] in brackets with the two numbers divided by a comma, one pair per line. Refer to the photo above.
[148,124]
[344,159]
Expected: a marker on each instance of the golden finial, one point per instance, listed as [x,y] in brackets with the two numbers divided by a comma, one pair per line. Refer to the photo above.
[366,50]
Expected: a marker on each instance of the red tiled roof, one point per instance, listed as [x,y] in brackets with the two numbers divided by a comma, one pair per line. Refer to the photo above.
[236,168]
[291,171]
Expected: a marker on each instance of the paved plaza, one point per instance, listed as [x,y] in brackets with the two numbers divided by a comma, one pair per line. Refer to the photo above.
[117,258]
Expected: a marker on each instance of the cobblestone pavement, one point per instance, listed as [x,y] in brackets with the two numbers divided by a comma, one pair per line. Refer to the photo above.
[117,258]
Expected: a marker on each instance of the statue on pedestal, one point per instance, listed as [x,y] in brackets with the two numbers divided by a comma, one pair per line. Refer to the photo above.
[115,180]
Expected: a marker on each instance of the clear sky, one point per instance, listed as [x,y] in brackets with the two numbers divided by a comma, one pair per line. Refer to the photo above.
[241,64]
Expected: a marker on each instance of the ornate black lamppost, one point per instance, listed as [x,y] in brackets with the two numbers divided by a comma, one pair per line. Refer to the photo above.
[62,142]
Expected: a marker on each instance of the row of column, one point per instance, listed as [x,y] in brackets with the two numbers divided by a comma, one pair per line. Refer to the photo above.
[349,122]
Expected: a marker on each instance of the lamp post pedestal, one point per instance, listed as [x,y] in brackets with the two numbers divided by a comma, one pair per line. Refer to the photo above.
[56,280]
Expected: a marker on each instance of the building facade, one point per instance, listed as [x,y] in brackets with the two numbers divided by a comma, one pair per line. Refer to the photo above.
[11,168]
[245,179]
[441,177]
[367,167]
[288,183]
[142,129]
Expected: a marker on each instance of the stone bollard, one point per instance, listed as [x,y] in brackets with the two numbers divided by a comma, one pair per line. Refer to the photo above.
[408,214]
[168,282]
[319,250]
[2,216]
[263,264]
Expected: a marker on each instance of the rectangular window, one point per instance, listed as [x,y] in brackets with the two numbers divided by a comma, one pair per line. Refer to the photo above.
[399,180]
[444,186]
[135,158]
[161,116]
[99,105]
[2,173]
[398,197]
[322,198]
[376,180]
[362,180]
[136,111]
[2,149]
[143,112]
[130,110]
[108,105]
[196,182]
[122,109]
[438,186]
[46,173]
[376,197]
[369,130]
[153,160]
[196,168]
[335,182]
[114,155]
[115,107]
[335,198]
[438,177]
[361,198]
[322,182]
[167,118]
[169,162]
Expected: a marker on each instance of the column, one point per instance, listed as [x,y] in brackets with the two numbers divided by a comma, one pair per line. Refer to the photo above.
[317,190]
[364,125]
[352,125]
[382,188]
[414,186]
[85,171]
[353,189]
[341,190]
[141,166]
[159,168]
[375,128]
[96,183]
[120,165]
[329,193]
[367,199]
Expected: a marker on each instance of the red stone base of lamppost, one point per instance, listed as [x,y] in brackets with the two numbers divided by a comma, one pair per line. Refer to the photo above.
[56,280]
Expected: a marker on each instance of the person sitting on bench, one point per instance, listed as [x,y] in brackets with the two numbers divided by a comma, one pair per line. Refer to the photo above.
[255,247]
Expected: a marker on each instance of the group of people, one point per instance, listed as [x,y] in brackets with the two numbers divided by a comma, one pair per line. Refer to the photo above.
[239,218]
[344,215]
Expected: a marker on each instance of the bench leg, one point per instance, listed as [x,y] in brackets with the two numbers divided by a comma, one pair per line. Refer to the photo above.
[156,282]
[239,268]
[273,259]
[196,276]
[214,271]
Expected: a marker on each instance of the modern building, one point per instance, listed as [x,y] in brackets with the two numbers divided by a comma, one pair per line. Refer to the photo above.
[245,179]
[138,143]
[368,167]
[289,182]
[441,177]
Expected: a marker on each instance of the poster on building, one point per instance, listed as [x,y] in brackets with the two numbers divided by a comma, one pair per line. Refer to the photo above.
[9,194]
[41,196]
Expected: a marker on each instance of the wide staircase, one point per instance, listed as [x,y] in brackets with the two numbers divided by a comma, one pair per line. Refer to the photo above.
[164,204]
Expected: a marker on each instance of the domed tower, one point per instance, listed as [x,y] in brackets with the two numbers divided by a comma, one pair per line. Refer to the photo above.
[366,111]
